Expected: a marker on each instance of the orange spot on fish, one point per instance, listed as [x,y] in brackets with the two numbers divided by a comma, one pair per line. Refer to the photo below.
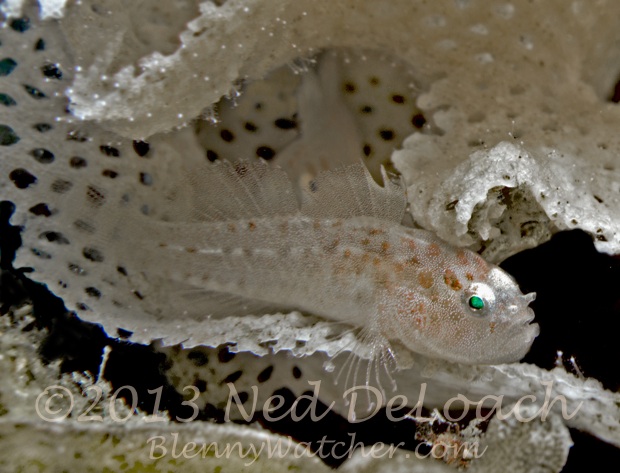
[413,261]
[425,278]
[232,227]
[417,308]
[251,226]
[376,231]
[408,243]
[451,280]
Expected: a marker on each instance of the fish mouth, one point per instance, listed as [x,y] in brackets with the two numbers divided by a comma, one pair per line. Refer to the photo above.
[534,330]
[530,329]
[530,316]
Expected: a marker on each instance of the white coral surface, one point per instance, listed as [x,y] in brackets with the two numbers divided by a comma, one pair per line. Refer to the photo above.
[491,71]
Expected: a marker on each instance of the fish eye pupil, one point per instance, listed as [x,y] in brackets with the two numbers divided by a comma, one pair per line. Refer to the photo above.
[476,302]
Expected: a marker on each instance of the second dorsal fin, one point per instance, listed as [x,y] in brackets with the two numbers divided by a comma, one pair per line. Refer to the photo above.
[350,191]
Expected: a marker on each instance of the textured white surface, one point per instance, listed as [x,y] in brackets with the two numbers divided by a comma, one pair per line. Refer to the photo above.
[511,197]
[49,8]
[595,409]
[90,446]
[539,84]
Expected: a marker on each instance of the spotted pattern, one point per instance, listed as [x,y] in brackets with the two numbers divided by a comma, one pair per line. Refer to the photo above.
[265,119]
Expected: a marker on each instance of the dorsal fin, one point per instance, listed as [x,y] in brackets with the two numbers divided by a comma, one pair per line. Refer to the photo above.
[350,191]
[230,191]
[246,189]
[249,189]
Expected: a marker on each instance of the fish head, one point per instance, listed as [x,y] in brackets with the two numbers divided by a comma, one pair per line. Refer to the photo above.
[472,314]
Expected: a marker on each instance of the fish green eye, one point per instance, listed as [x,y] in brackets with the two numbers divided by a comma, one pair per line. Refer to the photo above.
[476,302]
